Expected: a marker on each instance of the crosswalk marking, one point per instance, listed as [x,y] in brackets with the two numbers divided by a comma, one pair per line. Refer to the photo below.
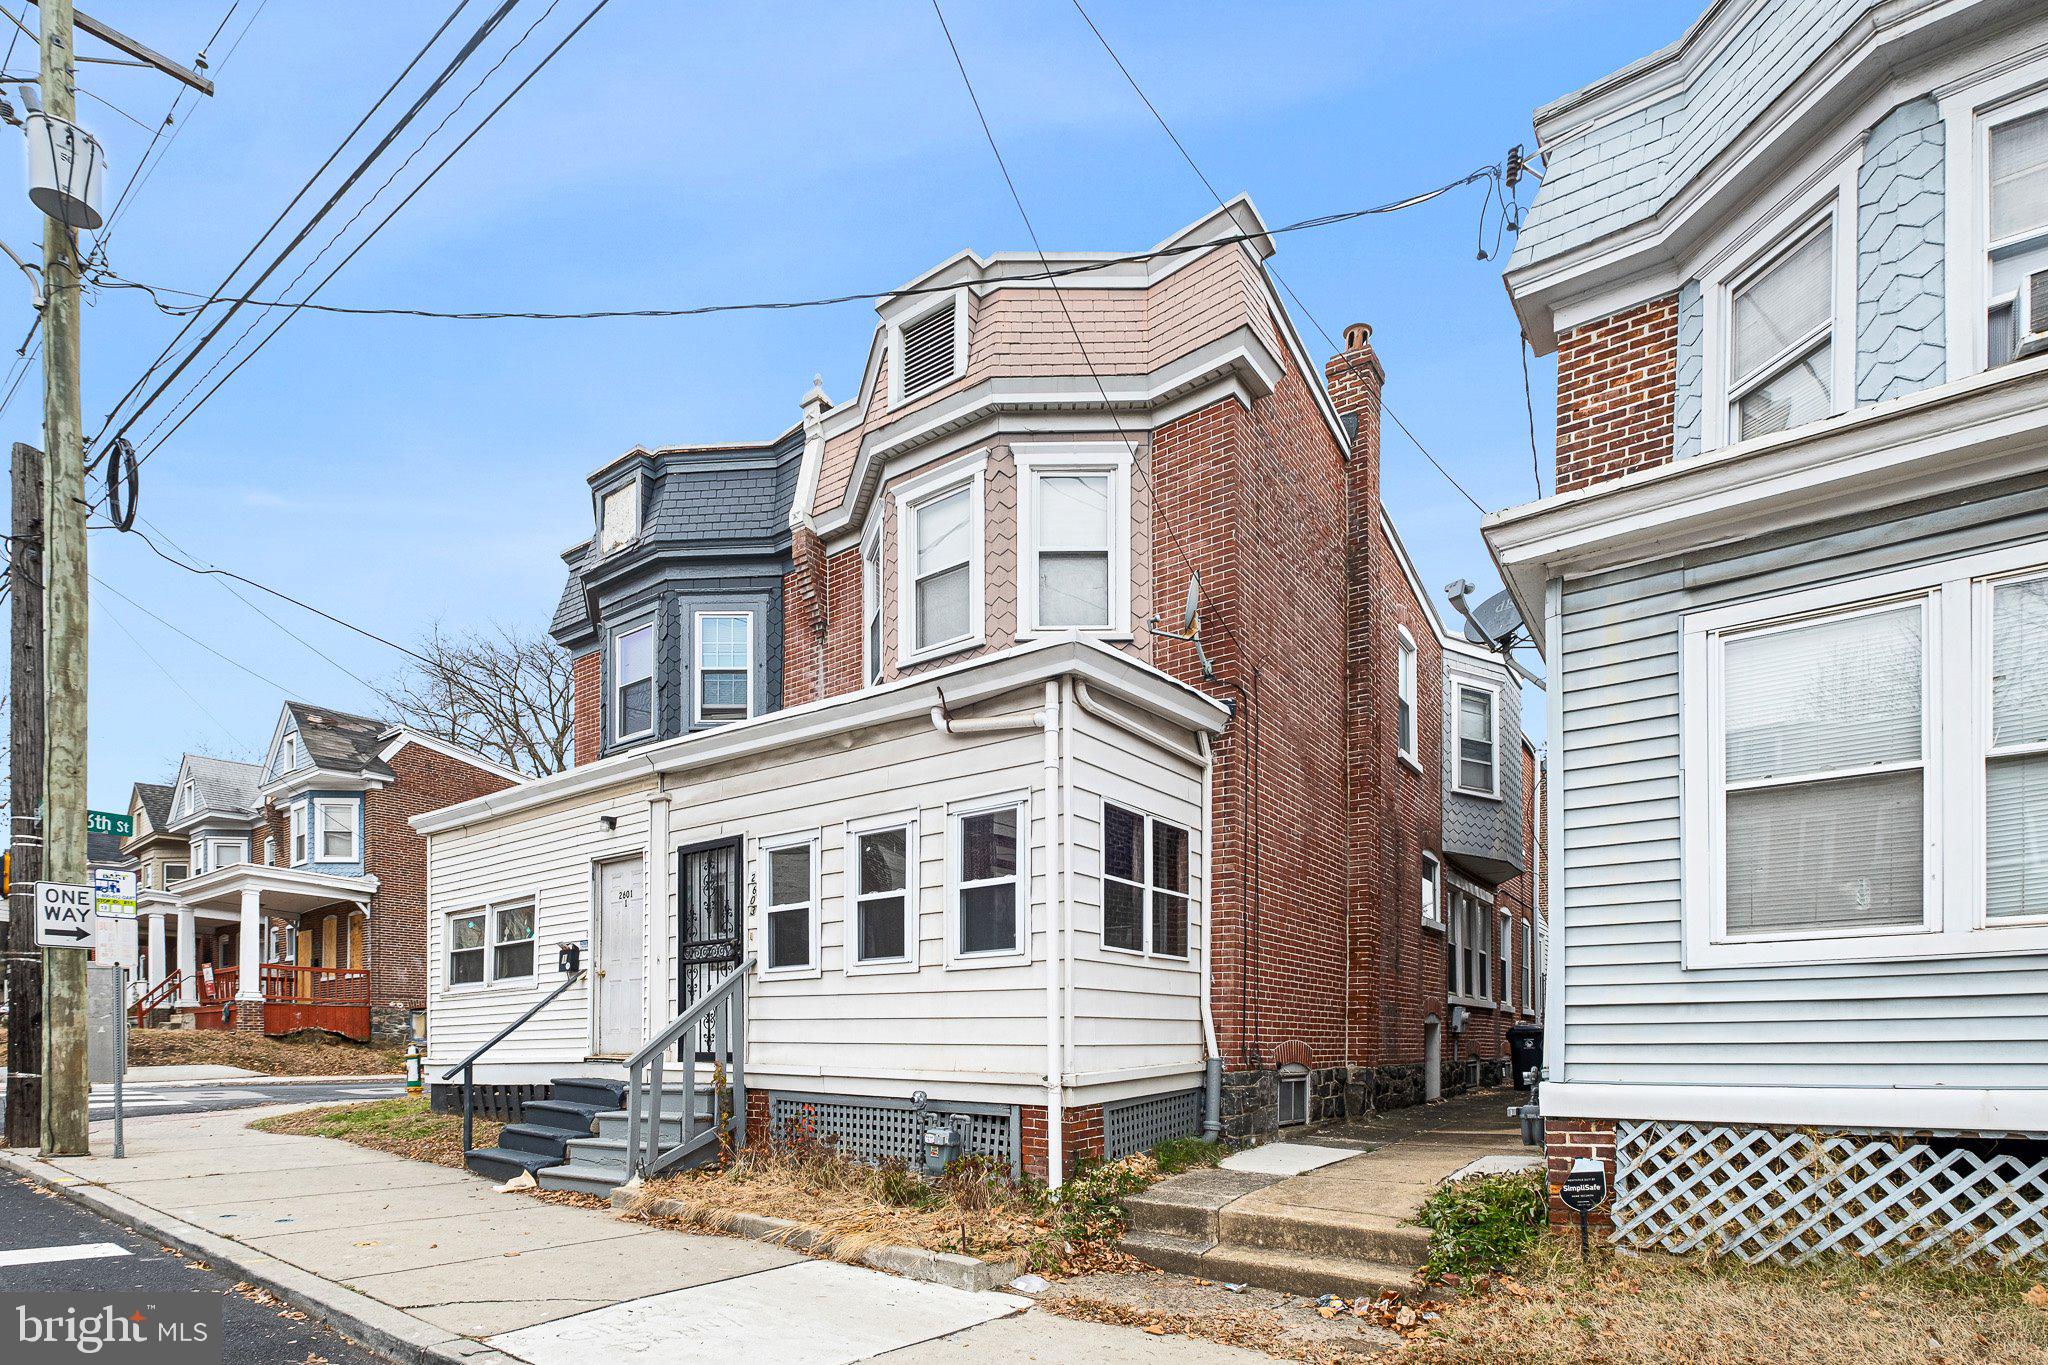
[77,1251]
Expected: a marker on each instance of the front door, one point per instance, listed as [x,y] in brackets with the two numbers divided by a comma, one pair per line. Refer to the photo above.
[708,944]
[621,1021]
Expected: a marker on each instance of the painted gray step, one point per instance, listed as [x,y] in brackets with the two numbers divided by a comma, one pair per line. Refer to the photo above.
[614,1125]
[598,1091]
[500,1163]
[569,1116]
[1288,1272]
[603,1153]
[597,1180]
[539,1138]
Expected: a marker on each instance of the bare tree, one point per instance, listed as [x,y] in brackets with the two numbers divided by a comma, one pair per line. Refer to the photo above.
[504,693]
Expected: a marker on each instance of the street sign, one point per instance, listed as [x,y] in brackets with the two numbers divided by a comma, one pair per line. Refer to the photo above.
[109,822]
[113,893]
[64,915]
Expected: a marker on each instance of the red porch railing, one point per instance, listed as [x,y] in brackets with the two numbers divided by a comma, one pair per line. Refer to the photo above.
[333,998]
[157,997]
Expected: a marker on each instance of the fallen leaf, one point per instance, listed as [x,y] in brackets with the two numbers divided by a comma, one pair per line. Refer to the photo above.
[2037,1296]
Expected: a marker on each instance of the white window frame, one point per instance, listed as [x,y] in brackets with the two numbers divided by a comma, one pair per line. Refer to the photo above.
[184,873]
[1113,462]
[491,979]
[871,604]
[269,851]
[765,850]
[971,475]
[317,851]
[1460,686]
[1469,923]
[1969,112]
[1432,892]
[957,814]
[697,620]
[240,848]
[1407,689]
[1956,698]
[295,824]
[851,963]
[909,316]
[1504,959]
[1529,984]
[614,712]
[1832,199]
[188,796]
[1146,887]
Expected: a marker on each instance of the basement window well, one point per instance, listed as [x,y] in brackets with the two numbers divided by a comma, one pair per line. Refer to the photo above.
[1293,1096]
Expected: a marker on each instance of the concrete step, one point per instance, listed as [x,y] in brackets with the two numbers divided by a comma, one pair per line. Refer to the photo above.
[1323,1232]
[1187,1205]
[569,1116]
[1288,1272]
[534,1137]
[502,1163]
[598,1180]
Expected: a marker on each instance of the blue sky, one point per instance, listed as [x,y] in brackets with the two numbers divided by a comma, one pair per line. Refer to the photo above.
[403,473]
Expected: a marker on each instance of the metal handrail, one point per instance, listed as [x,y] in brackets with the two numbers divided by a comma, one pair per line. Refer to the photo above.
[725,1006]
[154,997]
[467,1066]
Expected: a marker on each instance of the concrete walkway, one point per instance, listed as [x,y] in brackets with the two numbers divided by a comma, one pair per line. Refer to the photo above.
[427,1263]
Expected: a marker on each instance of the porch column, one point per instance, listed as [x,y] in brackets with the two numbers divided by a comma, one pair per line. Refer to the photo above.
[249,977]
[157,949]
[188,958]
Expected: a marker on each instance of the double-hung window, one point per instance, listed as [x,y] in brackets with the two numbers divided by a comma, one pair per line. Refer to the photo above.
[881,901]
[1432,891]
[491,944]
[1468,967]
[941,560]
[2016,237]
[295,822]
[725,665]
[1504,959]
[1478,757]
[633,683]
[791,918]
[1145,884]
[175,873]
[1075,518]
[871,604]
[1866,768]
[1781,338]
[1528,995]
[339,823]
[988,882]
[1404,691]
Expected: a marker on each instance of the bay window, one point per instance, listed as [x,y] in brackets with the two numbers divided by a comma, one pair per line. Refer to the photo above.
[725,666]
[1780,339]
[2016,237]
[633,683]
[1478,756]
[1145,884]
[941,570]
[1866,768]
[988,883]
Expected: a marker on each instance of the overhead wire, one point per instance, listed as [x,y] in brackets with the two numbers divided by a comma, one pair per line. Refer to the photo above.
[169,676]
[223,656]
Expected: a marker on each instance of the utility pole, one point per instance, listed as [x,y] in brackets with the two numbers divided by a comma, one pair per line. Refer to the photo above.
[66,1088]
[24,961]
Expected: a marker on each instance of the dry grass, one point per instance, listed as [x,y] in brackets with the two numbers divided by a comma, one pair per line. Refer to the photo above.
[1631,1310]
[299,1054]
[403,1127]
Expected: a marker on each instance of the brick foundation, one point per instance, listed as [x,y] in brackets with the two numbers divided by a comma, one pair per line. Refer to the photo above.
[1566,1141]
[1083,1138]
[249,1016]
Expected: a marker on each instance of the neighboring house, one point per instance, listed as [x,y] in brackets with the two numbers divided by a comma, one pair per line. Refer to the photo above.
[1794,589]
[160,860]
[999,843]
[299,898]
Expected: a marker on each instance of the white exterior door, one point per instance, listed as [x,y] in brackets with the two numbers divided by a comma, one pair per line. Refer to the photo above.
[620,966]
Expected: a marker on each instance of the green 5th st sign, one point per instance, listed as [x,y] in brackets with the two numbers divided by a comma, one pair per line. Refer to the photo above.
[107,822]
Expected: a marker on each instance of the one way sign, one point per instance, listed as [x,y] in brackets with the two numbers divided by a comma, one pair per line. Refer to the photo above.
[64,915]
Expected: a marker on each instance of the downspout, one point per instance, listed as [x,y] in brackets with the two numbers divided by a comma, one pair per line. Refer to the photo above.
[1067,864]
[1212,1066]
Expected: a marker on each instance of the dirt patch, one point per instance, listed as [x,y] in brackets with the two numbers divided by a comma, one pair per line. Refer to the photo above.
[296,1054]
[1640,1310]
[403,1127]
[1283,1325]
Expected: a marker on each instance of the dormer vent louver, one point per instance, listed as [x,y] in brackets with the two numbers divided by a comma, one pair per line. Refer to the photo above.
[928,351]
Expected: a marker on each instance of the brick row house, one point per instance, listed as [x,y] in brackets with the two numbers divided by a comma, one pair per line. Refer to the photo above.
[291,893]
[1794,587]
[1057,725]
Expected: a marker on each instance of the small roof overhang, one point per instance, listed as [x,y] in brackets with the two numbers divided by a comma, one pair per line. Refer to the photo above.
[281,888]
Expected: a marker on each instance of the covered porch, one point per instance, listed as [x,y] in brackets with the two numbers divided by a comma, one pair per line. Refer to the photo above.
[286,949]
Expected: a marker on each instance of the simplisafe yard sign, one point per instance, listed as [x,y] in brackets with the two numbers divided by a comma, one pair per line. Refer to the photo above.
[64,915]
[1581,1191]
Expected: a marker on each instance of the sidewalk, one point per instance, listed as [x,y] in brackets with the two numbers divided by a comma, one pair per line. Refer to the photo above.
[427,1263]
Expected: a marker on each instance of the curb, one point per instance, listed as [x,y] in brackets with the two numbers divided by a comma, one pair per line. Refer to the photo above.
[242,1082]
[915,1263]
[368,1322]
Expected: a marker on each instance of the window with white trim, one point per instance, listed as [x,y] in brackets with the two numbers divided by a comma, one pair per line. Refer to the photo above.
[941,556]
[725,665]
[1528,993]
[512,942]
[188,798]
[339,823]
[618,517]
[295,823]
[1145,884]
[491,945]
[1432,890]
[1468,967]
[1781,336]
[220,853]
[1867,768]
[633,683]
[1478,734]
[2016,232]
[881,902]
[1504,958]
[988,883]
[175,873]
[927,350]
[790,921]
[269,851]
[1076,541]
[871,603]
[1404,690]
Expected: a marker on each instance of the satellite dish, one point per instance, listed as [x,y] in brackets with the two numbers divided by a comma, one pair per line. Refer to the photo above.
[1192,609]
[1493,622]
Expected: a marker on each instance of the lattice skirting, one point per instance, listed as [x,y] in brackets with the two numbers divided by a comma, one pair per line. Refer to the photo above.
[891,1130]
[1141,1124]
[1766,1195]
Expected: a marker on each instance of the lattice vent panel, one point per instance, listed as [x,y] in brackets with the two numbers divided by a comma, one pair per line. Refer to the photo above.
[1792,1196]
[1140,1125]
[890,1130]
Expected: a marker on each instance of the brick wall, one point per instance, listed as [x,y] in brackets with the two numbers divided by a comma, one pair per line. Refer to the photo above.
[1617,381]
[1081,1138]
[586,679]
[1566,1141]
[396,855]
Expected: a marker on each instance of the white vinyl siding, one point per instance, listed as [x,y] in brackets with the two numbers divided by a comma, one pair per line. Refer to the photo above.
[1961,1014]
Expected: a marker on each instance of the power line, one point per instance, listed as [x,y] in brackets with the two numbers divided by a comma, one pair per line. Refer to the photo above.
[170,676]
[224,658]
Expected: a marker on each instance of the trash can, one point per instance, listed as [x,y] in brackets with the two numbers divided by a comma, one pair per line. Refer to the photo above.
[1525,1053]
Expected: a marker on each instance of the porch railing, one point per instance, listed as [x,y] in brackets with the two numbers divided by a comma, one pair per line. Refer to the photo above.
[289,983]
[218,989]
[467,1066]
[722,1014]
[154,998]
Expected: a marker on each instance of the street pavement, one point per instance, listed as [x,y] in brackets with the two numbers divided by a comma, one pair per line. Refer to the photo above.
[146,1099]
[50,1245]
